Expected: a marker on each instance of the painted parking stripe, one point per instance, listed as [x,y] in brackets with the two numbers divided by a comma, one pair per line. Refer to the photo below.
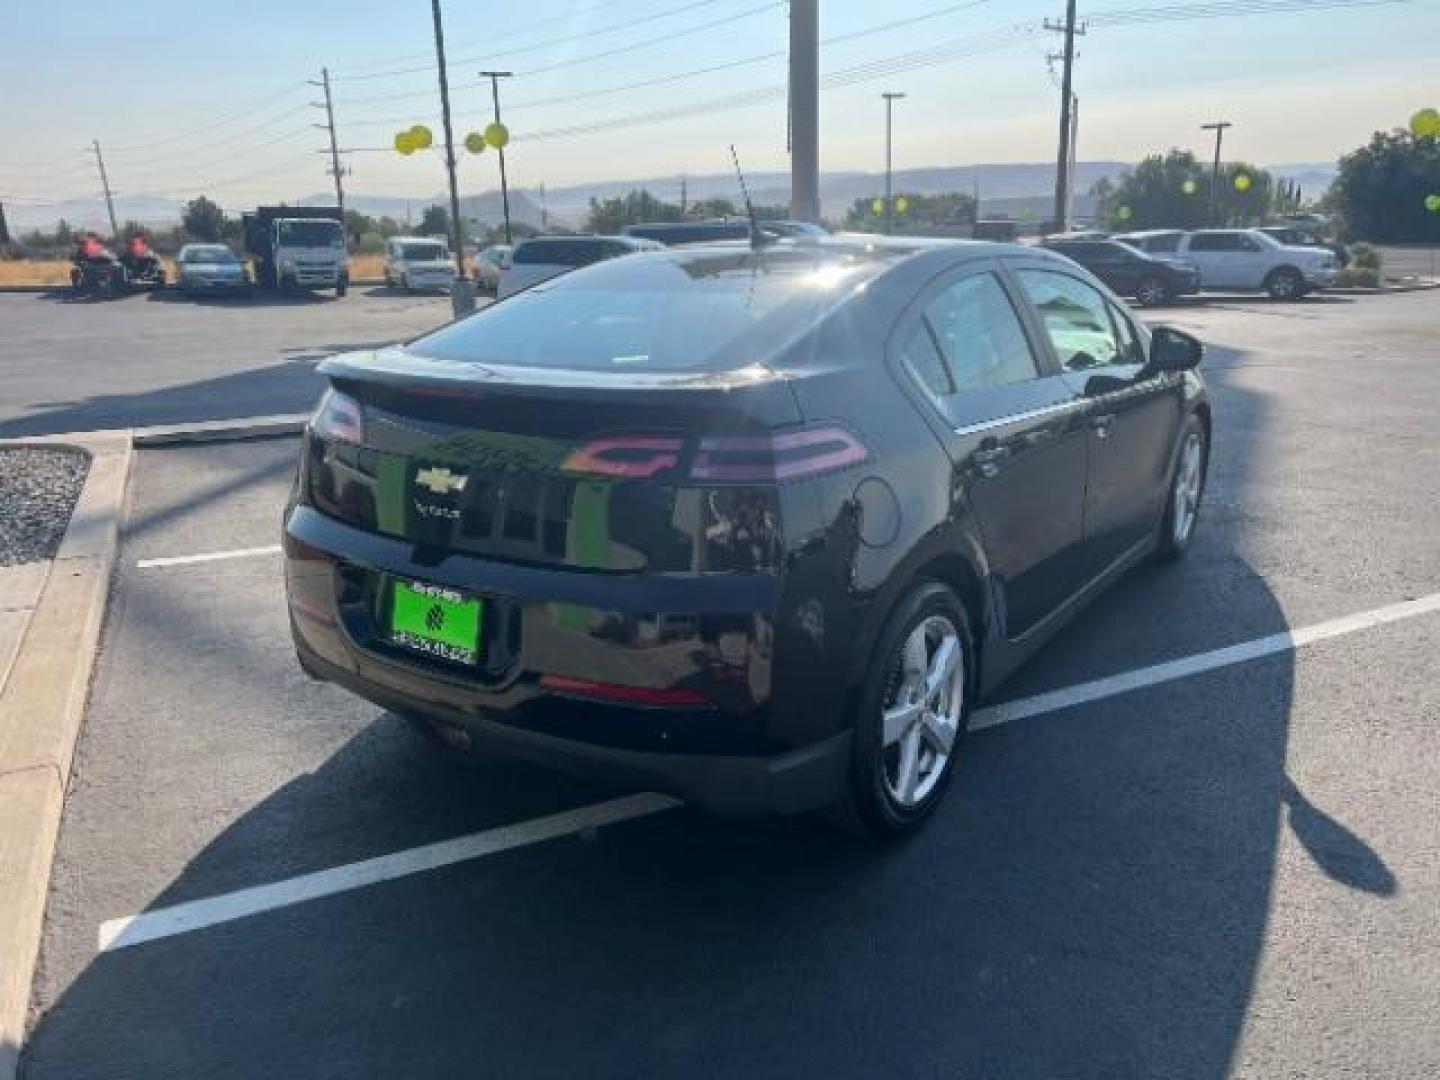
[209,556]
[182,918]
[1127,681]
[198,914]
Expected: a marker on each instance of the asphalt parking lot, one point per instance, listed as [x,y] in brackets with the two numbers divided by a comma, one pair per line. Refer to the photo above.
[159,358]
[1227,868]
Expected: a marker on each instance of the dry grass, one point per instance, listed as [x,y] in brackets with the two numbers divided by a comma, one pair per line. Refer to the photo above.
[367,267]
[34,272]
[50,271]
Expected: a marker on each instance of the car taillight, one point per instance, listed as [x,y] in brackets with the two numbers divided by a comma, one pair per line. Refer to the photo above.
[339,418]
[734,459]
[776,457]
[633,456]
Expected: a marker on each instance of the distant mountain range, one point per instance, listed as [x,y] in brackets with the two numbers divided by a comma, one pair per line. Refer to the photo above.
[1014,189]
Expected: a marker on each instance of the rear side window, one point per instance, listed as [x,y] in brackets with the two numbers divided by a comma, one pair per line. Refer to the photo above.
[1169,242]
[578,252]
[978,336]
[1215,242]
[1076,318]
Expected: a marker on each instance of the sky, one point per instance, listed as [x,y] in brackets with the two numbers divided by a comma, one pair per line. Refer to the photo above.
[211,95]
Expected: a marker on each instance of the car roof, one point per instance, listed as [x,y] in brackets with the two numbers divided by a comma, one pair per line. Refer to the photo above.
[418,239]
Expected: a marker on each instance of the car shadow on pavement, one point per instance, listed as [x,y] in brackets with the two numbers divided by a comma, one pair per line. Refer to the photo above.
[253,298]
[1091,900]
[287,386]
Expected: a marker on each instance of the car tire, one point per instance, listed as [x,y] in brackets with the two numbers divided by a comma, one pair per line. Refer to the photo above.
[1187,489]
[1285,284]
[1152,292]
[910,716]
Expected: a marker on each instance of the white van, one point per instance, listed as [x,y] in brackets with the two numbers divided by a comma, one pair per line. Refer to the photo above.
[418,262]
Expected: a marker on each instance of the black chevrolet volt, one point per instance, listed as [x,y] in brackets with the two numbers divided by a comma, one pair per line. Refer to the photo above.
[754,527]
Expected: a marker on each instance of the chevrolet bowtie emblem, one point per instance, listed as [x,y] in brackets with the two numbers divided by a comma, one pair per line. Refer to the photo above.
[440,480]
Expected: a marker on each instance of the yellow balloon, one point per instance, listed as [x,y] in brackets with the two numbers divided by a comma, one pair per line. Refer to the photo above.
[1189,187]
[420,137]
[497,135]
[1243,182]
[1425,123]
[475,142]
[1123,213]
[902,204]
[877,206]
[405,143]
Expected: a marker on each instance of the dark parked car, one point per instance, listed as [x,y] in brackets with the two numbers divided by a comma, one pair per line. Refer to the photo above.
[670,233]
[1149,279]
[754,528]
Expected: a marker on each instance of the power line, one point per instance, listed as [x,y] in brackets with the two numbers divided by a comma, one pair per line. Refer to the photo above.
[507,54]
[1217,9]
[169,140]
[604,54]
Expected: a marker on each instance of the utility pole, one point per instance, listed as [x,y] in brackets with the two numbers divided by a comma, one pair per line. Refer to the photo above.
[329,125]
[684,194]
[805,110]
[1062,163]
[1074,141]
[495,77]
[457,297]
[4,229]
[1219,127]
[105,183]
[890,97]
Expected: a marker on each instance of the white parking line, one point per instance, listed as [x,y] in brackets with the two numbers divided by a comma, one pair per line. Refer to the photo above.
[1126,681]
[197,914]
[209,556]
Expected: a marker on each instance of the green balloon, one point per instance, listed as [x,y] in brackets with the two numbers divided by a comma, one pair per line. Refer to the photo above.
[1123,213]
[1432,202]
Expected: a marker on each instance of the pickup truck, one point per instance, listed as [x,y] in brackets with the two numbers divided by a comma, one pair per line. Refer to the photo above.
[1242,259]
[297,247]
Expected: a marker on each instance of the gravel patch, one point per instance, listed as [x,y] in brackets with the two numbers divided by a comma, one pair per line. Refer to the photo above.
[38,489]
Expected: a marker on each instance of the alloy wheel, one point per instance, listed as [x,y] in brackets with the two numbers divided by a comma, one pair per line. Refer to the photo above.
[922,710]
[1188,480]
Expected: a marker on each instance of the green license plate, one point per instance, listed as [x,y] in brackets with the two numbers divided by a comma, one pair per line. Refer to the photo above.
[436,621]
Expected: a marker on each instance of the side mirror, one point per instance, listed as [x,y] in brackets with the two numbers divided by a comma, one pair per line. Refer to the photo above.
[1174,350]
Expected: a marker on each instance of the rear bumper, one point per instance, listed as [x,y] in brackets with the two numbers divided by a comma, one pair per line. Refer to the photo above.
[797,781]
[709,637]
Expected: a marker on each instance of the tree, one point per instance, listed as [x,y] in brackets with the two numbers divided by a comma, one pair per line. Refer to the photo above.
[204,220]
[612,215]
[946,214]
[434,222]
[357,225]
[1172,191]
[1382,189]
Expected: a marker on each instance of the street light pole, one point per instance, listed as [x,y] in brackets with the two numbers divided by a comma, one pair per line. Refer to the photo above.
[890,97]
[805,110]
[1219,127]
[495,77]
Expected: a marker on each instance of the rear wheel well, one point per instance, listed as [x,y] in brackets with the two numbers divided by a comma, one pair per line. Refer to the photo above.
[957,574]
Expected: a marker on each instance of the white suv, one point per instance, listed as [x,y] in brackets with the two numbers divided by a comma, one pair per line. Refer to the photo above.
[544,257]
[1243,259]
[418,262]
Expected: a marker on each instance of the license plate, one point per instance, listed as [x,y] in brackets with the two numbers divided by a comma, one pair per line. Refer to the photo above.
[436,621]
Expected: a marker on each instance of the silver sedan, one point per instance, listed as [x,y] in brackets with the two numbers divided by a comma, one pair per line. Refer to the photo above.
[210,268]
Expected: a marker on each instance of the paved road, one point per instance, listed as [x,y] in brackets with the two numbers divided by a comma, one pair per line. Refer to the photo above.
[1232,874]
[143,360]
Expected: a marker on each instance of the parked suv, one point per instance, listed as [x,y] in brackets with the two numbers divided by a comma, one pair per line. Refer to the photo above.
[545,257]
[1149,279]
[1244,259]
[670,233]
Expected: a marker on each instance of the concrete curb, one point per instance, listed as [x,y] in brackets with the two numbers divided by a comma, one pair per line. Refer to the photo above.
[248,427]
[1383,290]
[42,707]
